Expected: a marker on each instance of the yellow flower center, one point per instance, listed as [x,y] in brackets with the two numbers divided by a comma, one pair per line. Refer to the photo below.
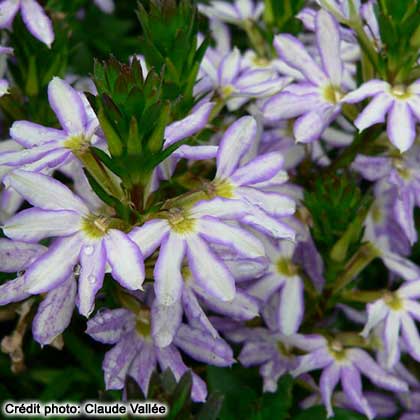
[400,92]
[180,221]
[143,327]
[94,226]
[77,143]
[393,301]
[337,351]
[332,94]
[286,267]
[227,91]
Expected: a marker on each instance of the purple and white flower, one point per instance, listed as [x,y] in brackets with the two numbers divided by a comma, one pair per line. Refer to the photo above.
[316,101]
[345,365]
[397,310]
[398,104]
[50,147]
[81,236]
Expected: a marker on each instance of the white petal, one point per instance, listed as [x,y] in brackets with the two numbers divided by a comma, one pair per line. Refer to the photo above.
[401,127]
[219,207]
[328,40]
[391,336]
[376,313]
[209,271]
[67,105]
[168,277]
[45,192]
[375,112]
[236,141]
[240,240]
[149,236]
[291,306]
[125,259]
[370,88]
[37,22]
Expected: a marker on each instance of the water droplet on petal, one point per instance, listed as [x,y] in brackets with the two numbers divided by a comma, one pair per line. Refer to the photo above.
[92,279]
[88,249]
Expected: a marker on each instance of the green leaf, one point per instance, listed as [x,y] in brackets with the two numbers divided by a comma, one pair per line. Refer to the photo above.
[182,395]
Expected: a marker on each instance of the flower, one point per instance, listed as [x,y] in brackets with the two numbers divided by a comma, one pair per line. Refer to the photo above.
[242,178]
[188,231]
[80,236]
[316,101]
[50,147]
[282,276]
[345,365]
[33,15]
[399,103]
[135,354]
[397,310]
[236,85]
[107,6]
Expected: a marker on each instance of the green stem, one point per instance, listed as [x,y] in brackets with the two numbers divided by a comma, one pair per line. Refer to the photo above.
[360,260]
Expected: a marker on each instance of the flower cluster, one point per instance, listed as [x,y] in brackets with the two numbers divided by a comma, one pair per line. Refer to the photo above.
[251,204]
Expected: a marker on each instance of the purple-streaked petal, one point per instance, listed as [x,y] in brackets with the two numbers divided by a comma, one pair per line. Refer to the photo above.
[108,325]
[92,262]
[256,352]
[328,40]
[401,266]
[167,273]
[235,143]
[375,112]
[391,338]
[149,236]
[294,53]
[317,359]
[219,207]
[16,256]
[117,361]
[273,203]
[401,126]
[269,225]
[125,259]
[246,269]
[370,88]
[291,306]
[310,126]
[37,22]
[195,314]
[327,382]
[242,308]
[376,312]
[8,10]
[13,291]
[169,357]
[372,167]
[286,105]
[29,134]
[188,126]
[229,67]
[243,242]
[374,372]
[165,322]
[410,290]
[203,347]
[68,106]
[352,387]
[27,156]
[411,336]
[55,266]
[55,312]
[143,366]
[265,287]
[107,6]
[260,169]
[45,192]
[196,152]
[209,270]
[403,213]
[34,224]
